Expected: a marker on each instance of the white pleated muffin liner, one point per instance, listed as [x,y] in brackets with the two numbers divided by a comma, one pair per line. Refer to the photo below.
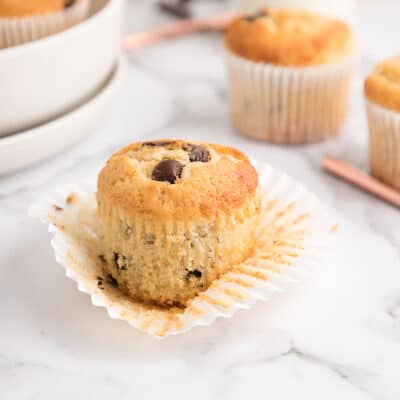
[288,105]
[19,30]
[384,144]
[294,237]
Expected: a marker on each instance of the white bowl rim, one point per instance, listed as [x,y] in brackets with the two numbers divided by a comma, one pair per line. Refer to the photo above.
[105,87]
[37,44]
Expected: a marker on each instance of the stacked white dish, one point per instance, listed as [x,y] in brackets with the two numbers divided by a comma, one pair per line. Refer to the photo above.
[55,89]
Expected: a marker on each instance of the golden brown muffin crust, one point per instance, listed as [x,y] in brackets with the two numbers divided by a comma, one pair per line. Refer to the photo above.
[205,188]
[289,38]
[25,8]
[382,86]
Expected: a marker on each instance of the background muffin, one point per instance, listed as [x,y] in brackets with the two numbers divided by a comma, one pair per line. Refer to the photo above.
[289,75]
[176,215]
[22,21]
[382,91]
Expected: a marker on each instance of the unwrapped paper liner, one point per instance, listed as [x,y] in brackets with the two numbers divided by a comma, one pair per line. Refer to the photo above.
[293,238]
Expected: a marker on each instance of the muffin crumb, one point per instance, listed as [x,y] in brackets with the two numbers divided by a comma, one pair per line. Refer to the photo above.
[71,199]
[334,228]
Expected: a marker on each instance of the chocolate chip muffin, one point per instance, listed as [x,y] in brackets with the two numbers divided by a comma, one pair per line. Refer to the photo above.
[22,21]
[176,215]
[382,92]
[289,75]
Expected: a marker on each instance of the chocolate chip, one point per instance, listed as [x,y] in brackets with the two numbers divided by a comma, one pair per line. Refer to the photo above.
[257,15]
[57,208]
[102,258]
[158,143]
[167,171]
[195,273]
[112,281]
[197,153]
[69,3]
[100,282]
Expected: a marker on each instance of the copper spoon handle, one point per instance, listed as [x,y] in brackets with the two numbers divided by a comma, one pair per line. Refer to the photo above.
[361,179]
[138,40]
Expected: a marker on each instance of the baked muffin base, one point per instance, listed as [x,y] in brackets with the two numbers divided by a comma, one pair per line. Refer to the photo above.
[296,234]
[19,30]
[384,144]
[288,105]
[187,257]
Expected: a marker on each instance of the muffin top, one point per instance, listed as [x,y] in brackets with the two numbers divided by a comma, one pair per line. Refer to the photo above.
[382,86]
[175,178]
[25,8]
[289,38]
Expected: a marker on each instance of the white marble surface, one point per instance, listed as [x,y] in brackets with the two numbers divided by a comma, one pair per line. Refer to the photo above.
[335,337]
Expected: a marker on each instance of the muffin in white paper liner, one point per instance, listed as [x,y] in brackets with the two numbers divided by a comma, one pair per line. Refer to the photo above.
[384,144]
[19,30]
[294,236]
[288,105]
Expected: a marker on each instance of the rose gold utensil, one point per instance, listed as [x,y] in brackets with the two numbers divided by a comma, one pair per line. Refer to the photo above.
[216,23]
[361,179]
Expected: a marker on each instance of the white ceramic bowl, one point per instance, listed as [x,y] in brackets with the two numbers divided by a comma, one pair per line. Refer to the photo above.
[30,146]
[48,77]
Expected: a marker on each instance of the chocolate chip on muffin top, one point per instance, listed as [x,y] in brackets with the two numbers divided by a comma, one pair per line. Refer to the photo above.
[167,171]
[170,161]
[197,153]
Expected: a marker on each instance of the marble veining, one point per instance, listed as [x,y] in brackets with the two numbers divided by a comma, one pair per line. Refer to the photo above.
[336,336]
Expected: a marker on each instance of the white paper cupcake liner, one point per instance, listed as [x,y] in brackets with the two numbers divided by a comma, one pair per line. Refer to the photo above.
[19,30]
[288,105]
[294,237]
[384,144]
